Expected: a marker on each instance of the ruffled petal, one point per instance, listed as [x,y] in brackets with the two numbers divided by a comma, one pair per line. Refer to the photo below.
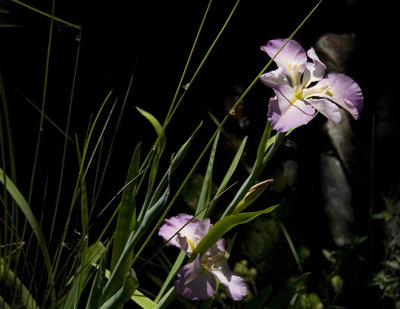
[193,282]
[327,108]
[235,285]
[286,112]
[274,78]
[314,71]
[189,236]
[345,92]
[292,56]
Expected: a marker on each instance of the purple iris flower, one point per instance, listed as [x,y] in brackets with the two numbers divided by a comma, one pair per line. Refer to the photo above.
[197,280]
[301,87]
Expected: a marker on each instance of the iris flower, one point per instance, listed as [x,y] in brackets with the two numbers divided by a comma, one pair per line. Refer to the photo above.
[301,87]
[197,280]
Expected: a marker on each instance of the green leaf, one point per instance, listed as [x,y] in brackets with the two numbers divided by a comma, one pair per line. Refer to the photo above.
[178,262]
[232,167]
[96,292]
[3,304]
[127,210]
[223,226]
[92,255]
[138,297]
[157,126]
[124,293]
[21,293]
[166,299]
[205,193]
[26,210]
[143,301]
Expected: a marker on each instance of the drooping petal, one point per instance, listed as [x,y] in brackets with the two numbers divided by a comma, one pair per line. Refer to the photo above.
[193,282]
[274,78]
[188,237]
[286,112]
[292,56]
[235,285]
[345,92]
[314,71]
[327,108]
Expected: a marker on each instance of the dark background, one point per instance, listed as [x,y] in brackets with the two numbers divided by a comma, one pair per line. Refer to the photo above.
[151,40]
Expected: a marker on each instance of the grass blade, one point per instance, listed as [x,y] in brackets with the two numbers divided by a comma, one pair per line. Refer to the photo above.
[127,210]
[26,210]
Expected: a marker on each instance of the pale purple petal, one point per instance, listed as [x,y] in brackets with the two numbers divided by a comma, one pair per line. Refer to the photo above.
[193,282]
[314,71]
[291,57]
[286,112]
[346,93]
[319,66]
[327,108]
[189,236]
[274,78]
[235,285]
[215,253]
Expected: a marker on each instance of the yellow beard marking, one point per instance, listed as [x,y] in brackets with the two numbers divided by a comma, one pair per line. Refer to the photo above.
[191,244]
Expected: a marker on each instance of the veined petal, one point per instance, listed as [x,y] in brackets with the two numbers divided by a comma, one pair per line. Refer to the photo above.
[314,71]
[274,78]
[189,236]
[345,92]
[286,112]
[327,108]
[292,57]
[193,282]
[235,285]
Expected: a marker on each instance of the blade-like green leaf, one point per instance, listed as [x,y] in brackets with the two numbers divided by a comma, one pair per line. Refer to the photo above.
[205,193]
[96,292]
[92,255]
[3,304]
[23,296]
[127,209]
[157,126]
[232,167]
[174,269]
[223,226]
[143,301]
[175,163]
[138,297]
[166,299]
[124,293]
[26,210]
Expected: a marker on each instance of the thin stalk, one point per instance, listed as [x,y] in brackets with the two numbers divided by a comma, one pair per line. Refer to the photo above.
[81,177]
[186,66]
[186,88]
[51,16]
[291,246]
[45,116]
[112,143]
[71,100]
[44,97]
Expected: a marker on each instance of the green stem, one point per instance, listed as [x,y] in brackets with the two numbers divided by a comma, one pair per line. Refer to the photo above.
[51,16]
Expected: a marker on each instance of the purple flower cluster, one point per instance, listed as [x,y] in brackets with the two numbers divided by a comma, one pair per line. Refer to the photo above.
[301,87]
[198,279]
